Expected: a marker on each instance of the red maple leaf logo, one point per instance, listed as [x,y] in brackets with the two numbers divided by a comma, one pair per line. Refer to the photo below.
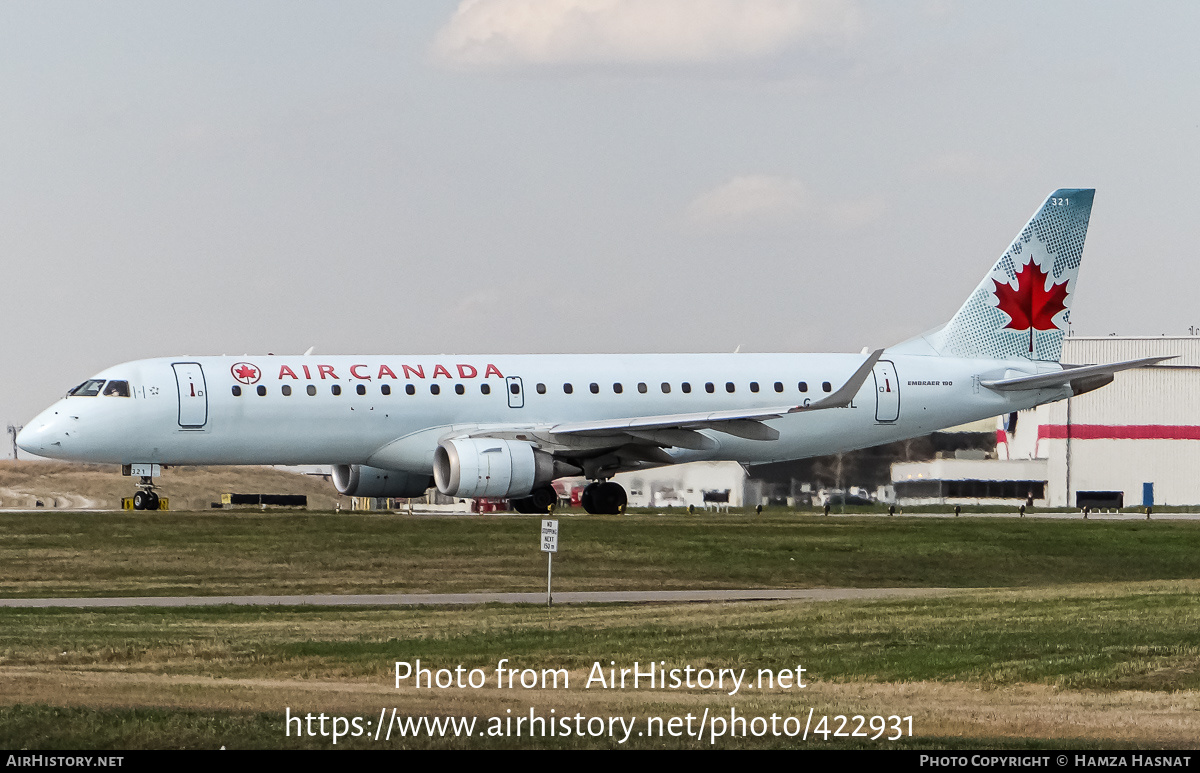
[1031,306]
[245,372]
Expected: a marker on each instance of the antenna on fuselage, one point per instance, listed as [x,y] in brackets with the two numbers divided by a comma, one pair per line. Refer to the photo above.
[308,351]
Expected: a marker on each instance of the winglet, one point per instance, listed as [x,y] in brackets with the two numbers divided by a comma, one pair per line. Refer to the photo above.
[842,397]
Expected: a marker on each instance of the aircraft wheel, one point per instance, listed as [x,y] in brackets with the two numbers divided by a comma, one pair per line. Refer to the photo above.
[139,500]
[542,498]
[588,498]
[612,498]
[605,498]
[151,500]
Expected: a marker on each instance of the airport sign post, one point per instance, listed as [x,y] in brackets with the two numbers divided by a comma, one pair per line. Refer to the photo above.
[549,547]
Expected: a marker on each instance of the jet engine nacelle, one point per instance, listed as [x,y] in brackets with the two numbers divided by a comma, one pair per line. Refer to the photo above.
[480,467]
[359,480]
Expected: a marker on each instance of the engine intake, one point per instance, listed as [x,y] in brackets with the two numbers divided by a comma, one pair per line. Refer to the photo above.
[359,480]
[480,467]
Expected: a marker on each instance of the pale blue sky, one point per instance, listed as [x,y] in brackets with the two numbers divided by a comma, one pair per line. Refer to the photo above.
[571,175]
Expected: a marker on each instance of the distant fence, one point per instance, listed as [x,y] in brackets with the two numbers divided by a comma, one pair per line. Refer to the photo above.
[273,500]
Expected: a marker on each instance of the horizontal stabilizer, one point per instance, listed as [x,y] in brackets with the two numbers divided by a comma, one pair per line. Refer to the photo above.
[1068,376]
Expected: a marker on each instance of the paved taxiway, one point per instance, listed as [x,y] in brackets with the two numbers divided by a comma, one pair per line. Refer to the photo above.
[423,599]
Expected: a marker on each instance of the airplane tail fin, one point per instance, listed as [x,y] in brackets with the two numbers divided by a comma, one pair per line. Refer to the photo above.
[1022,306]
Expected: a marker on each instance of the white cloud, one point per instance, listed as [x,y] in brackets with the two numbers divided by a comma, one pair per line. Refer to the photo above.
[752,198]
[517,33]
[965,165]
[757,201]
[855,213]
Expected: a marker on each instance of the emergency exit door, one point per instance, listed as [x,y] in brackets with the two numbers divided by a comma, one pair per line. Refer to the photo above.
[193,395]
[516,392]
[887,392]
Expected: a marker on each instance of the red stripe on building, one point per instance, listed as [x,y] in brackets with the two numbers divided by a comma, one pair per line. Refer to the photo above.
[1120,432]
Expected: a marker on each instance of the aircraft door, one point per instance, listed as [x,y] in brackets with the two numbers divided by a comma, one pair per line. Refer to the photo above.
[887,392]
[193,395]
[516,393]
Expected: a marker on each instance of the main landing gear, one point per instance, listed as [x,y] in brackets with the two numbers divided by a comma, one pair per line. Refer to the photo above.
[599,498]
[604,498]
[146,498]
[538,501]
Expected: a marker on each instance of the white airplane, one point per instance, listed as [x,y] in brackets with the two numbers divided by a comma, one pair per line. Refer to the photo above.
[507,426]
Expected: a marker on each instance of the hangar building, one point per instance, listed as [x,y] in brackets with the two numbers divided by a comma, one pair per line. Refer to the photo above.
[702,484]
[1134,442]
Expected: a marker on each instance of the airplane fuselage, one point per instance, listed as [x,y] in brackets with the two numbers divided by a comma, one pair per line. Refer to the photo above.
[392,411]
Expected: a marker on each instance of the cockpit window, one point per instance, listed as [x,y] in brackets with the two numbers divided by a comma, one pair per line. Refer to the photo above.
[89,388]
[117,389]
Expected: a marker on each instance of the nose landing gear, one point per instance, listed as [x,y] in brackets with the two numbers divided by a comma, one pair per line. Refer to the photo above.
[147,497]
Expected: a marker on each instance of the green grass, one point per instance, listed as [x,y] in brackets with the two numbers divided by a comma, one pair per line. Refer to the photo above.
[1072,610]
[1140,637]
[1078,637]
[84,554]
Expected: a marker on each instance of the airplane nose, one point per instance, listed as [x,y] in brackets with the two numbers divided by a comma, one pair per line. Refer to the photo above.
[31,438]
[44,435]
[23,438]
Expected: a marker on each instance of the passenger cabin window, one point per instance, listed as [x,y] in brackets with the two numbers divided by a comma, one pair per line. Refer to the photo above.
[286,389]
[686,387]
[262,390]
[666,388]
[409,389]
[362,390]
[826,386]
[709,387]
[803,386]
[237,391]
[89,388]
[117,389]
[487,388]
[459,389]
[618,388]
[385,389]
[753,386]
[729,387]
[541,389]
[595,388]
[312,390]
[778,386]
[336,389]
[434,389]
[642,387]
[568,389]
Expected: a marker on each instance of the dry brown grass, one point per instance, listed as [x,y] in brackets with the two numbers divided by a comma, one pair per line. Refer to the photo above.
[952,710]
[64,485]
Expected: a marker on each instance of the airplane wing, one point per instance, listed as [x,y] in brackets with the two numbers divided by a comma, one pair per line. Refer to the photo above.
[745,423]
[678,429]
[1073,375]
